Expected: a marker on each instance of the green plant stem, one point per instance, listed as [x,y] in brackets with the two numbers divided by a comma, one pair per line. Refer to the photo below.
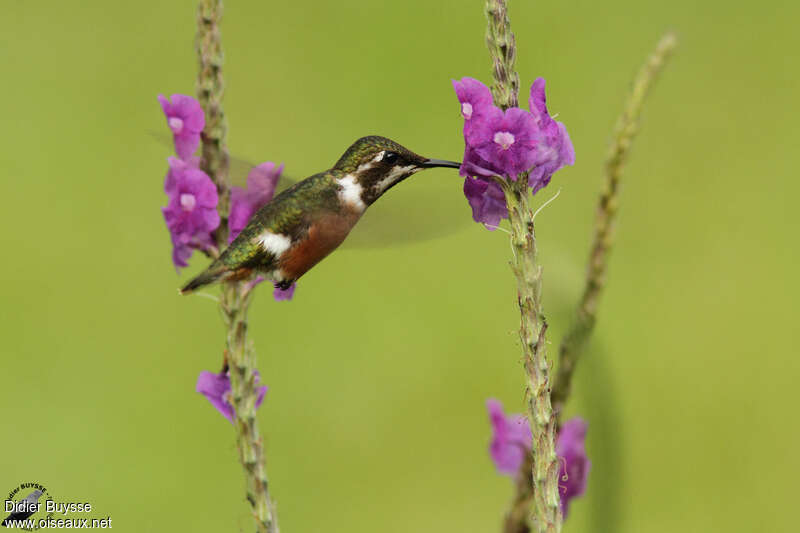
[543,463]
[503,51]
[235,297]
[575,339]
[210,90]
[533,326]
[241,358]
[627,126]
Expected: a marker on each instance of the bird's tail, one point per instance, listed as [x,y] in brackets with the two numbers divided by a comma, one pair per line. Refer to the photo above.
[215,272]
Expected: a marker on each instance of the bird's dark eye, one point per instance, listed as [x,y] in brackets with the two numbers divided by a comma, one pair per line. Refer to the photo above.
[389,157]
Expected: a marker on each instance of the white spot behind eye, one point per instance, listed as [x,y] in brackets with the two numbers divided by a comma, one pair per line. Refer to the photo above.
[379,156]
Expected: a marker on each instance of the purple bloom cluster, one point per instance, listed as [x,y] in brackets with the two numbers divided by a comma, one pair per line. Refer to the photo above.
[191,212]
[511,440]
[507,144]
[217,388]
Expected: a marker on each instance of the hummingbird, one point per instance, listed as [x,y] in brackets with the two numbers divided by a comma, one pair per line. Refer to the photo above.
[306,222]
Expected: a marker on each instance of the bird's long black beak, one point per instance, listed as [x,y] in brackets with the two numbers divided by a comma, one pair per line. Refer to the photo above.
[432,163]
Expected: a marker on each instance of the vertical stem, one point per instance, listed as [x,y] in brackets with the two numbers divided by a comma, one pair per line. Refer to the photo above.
[242,363]
[503,51]
[533,326]
[210,90]
[624,133]
[235,297]
[544,463]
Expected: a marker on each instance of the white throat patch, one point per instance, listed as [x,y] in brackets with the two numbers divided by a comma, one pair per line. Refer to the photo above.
[350,192]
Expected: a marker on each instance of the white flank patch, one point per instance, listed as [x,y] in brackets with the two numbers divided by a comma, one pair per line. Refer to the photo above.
[274,243]
[351,191]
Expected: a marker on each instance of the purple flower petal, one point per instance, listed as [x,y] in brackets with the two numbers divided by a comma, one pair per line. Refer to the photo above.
[186,144]
[508,142]
[487,201]
[474,97]
[575,464]
[281,295]
[186,120]
[217,389]
[191,213]
[555,148]
[261,183]
[511,439]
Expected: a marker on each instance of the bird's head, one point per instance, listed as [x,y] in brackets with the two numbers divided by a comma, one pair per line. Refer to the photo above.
[375,164]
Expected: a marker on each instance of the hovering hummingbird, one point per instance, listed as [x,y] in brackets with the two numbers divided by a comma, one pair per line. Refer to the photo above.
[307,221]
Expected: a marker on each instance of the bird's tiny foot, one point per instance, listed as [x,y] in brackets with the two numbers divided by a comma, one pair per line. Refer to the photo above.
[285,284]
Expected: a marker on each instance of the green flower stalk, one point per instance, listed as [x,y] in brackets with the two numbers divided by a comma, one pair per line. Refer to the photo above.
[627,126]
[533,327]
[574,341]
[210,90]
[235,298]
[546,516]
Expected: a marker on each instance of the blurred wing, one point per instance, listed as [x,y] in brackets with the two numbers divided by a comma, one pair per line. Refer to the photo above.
[429,205]
[238,169]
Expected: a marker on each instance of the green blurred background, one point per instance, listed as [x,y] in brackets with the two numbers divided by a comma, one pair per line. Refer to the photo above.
[380,367]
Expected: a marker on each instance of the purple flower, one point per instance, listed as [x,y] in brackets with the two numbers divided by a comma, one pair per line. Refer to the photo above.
[474,96]
[575,465]
[261,182]
[217,388]
[506,144]
[555,147]
[281,295]
[487,201]
[511,438]
[186,119]
[506,140]
[191,211]
[475,99]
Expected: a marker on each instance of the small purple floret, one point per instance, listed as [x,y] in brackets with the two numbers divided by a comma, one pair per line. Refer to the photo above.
[487,201]
[511,438]
[474,96]
[261,183]
[186,119]
[281,295]
[575,464]
[217,389]
[191,211]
